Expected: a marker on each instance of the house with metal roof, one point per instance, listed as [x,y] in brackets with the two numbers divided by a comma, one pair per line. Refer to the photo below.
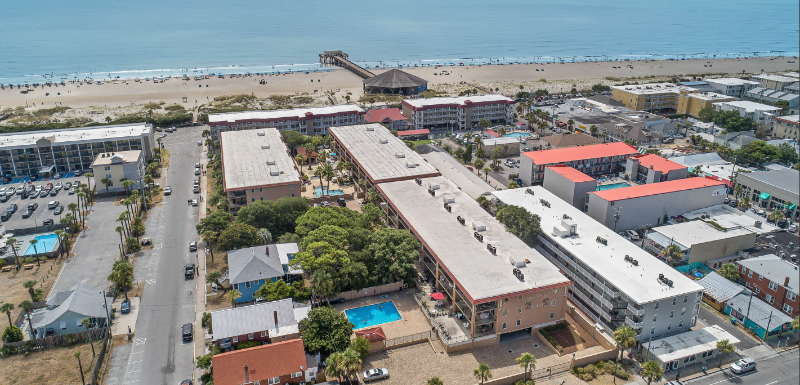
[717,290]
[267,322]
[695,346]
[758,316]
[65,311]
[252,267]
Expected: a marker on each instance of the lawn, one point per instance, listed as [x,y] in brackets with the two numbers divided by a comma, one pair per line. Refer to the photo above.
[418,142]
[11,283]
[50,366]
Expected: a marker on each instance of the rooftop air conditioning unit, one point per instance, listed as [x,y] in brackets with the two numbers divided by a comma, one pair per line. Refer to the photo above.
[447,198]
[432,192]
[418,180]
[461,220]
[270,162]
[516,263]
[260,133]
[399,155]
[433,186]
[265,147]
[384,141]
[370,128]
[411,165]
[448,208]
[528,191]
[491,248]
[477,236]
[519,275]
[478,226]
[274,173]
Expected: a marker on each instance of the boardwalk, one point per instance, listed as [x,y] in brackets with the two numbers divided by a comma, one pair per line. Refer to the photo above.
[340,59]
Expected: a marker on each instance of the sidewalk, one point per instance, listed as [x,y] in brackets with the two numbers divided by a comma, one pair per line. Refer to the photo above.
[200,279]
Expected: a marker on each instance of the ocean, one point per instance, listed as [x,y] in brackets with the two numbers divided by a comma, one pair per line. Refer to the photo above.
[66,40]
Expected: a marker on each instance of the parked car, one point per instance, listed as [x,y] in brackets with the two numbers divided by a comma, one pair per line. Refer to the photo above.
[196,189]
[326,204]
[57,176]
[341,202]
[58,186]
[743,366]
[761,213]
[12,208]
[47,222]
[44,193]
[6,216]
[632,235]
[194,202]
[26,214]
[33,206]
[192,246]
[71,191]
[52,205]
[167,190]
[67,185]
[125,308]
[197,171]
[58,210]
[188,271]
[187,330]
[54,192]
[793,228]
[78,172]
[375,374]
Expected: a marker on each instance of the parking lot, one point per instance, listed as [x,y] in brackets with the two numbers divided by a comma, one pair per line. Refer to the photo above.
[16,221]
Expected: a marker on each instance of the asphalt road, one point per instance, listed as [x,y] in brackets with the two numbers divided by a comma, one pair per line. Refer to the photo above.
[158,354]
[778,370]
[709,317]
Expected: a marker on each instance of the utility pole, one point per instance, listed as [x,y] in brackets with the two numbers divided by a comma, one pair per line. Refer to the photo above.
[616,218]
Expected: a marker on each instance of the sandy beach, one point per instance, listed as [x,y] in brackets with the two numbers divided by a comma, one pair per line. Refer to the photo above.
[124,96]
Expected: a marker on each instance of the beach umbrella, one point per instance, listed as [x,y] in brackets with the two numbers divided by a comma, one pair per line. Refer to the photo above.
[437,296]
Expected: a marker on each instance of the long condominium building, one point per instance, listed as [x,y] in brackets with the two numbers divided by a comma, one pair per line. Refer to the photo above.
[461,113]
[596,159]
[498,283]
[34,152]
[308,121]
[615,282]
[647,97]
[256,166]
[378,156]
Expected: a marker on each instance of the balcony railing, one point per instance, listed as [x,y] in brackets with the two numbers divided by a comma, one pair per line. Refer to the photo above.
[634,310]
[631,323]
[485,318]
[430,265]
[465,309]
[486,306]
[612,292]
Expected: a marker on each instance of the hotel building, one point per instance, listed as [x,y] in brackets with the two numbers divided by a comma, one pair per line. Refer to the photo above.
[734,87]
[690,103]
[496,281]
[615,282]
[308,121]
[647,97]
[459,113]
[598,159]
[377,155]
[787,127]
[37,152]
[256,166]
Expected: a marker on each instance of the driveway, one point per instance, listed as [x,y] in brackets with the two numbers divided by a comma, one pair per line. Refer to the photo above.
[712,317]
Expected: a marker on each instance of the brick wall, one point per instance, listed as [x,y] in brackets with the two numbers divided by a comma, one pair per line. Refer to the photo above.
[777,298]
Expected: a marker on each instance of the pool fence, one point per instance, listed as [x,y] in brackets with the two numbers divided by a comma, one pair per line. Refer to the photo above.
[370,291]
[38,229]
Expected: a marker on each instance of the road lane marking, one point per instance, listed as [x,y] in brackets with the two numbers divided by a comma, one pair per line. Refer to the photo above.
[134,362]
[139,341]
[151,281]
[134,371]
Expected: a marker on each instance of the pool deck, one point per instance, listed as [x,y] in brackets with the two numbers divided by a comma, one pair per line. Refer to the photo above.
[412,322]
[23,242]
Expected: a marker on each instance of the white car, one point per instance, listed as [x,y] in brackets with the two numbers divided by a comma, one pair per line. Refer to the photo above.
[744,365]
[167,190]
[375,374]
[58,187]
[195,202]
[632,235]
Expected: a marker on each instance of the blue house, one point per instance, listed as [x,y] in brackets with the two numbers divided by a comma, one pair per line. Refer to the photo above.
[251,268]
[758,316]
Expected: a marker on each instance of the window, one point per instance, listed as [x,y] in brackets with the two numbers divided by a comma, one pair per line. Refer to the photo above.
[106,168]
[685,298]
[652,330]
[261,198]
[505,300]
[274,381]
[683,310]
[747,284]
[750,274]
[657,304]
[264,333]
[520,298]
[252,190]
[247,285]
[249,336]
[791,296]
[674,301]
[655,317]
[552,315]
[555,290]
[235,339]
[680,324]
[519,309]
[519,322]
[773,286]
[787,308]
[760,277]
[291,186]
[503,326]
[236,286]
[298,374]
[283,337]
[63,325]
[252,199]
[770,299]
[292,195]
[669,327]
[260,189]
[505,312]
[758,289]
[672,314]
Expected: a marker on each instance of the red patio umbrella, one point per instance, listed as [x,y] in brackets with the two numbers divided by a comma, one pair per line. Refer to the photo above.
[438,296]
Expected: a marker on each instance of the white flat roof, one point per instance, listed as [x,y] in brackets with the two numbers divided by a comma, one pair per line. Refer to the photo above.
[652,88]
[457,100]
[790,118]
[380,154]
[482,275]
[751,106]
[296,113]
[450,168]
[76,135]
[709,96]
[775,78]
[730,217]
[690,343]
[253,158]
[640,283]
[730,81]
[500,141]
[122,157]
[695,232]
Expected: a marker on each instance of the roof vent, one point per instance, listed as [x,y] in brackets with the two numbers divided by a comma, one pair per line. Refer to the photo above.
[411,165]
[265,147]
[274,173]
[461,220]
[384,141]
[399,155]
[270,162]
[477,236]
[418,180]
[447,198]
[528,191]
[478,226]
[260,133]
[370,128]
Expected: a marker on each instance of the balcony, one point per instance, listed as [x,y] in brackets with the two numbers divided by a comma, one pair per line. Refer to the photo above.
[486,306]
[465,309]
[605,315]
[485,318]
[612,292]
[631,323]
[430,265]
[633,310]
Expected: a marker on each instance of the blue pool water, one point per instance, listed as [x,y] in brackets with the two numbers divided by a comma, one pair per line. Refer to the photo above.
[46,244]
[366,316]
[517,134]
[612,186]
[319,191]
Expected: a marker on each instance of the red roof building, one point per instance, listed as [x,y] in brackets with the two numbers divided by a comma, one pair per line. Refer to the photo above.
[278,363]
[410,133]
[391,117]
[571,174]
[651,168]
[569,184]
[598,159]
[373,334]
[492,133]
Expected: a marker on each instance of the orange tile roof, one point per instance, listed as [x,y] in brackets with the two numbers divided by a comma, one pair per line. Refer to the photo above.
[385,115]
[572,174]
[658,163]
[373,334]
[263,362]
[561,155]
[413,132]
[644,190]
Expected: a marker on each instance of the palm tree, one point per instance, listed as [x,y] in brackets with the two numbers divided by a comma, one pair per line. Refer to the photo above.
[122,275]
[652,371]
[319,173]
[27,306]
[35,251]
[482,373]
[7,308]
[80,366]
[12,242]
[776,216]
[435,381]
[215,276]
[61,237]
[796,322]
[729,271]
[724,347]
[232,296]
[86,323]
[570,123]
[137,225]
[334,366]
[486,173]
[672,254]
[351,363]
[300,158]
[72,207]
[625,337]
[372,196]
[206,133]
[30,285]
[328,172]
[593,129]
[737,191]
[478,163]
[745,203]
[527,362]
[322,284]
[501,131]
[505,149]
[106,182]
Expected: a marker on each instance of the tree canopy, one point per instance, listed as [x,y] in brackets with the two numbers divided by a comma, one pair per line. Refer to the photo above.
[730,120]
[294,139]
[237,236]
[325,330]
[520,222]
[276,216]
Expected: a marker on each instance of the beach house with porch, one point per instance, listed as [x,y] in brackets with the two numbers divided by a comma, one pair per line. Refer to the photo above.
[252,267]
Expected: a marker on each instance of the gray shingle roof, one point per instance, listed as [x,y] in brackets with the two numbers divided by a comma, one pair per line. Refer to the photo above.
[786,180]
[255,318]
[83,300]
[760,311]
[253,263]
[395,79]
[720,288]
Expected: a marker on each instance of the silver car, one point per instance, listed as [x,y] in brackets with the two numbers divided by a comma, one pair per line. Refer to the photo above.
[376,374]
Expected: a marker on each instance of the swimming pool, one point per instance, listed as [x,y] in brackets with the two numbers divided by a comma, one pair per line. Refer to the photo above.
[319,191]
[517,134]
[46,244]
[366,316]
[612,186]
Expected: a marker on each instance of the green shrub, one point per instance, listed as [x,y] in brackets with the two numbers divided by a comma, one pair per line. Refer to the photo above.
[587,377]
[12,334]
[29,260]
[206,320]
[248,344]
[622,374]
[8,350]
